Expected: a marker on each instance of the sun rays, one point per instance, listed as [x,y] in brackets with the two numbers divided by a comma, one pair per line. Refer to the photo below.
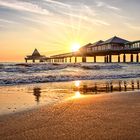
[53,26]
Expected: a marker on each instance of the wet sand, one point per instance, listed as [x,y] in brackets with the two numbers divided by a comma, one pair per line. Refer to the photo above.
[17,98]
[103,116]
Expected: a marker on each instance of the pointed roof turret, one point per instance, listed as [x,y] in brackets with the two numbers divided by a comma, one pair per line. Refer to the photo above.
[115,39]
[36,53]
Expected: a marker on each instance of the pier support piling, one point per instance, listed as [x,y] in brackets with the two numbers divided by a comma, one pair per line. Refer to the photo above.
[83,59]
[70,59]
[75,59]
[124,58]
[137,58]
[119,60]
[65,60]
[105,59]
[110,58]
[131,57]
[94,59]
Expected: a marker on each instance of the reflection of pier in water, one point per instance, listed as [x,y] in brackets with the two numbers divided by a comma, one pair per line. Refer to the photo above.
[106,87]
[37,94]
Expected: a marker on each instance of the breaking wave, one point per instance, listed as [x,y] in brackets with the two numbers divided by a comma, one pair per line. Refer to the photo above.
[20,68]
[21,73]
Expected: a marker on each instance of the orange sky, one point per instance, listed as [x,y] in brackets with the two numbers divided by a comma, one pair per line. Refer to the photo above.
[51,26]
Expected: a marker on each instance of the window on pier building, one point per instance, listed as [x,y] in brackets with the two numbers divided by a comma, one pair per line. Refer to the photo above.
[133,45]
[138,44]
[117,46]
[94,48]
[89,49]
[108,46]
[127,46]
[100,48]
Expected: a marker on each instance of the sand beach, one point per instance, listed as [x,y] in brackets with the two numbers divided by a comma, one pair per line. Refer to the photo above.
[101,116]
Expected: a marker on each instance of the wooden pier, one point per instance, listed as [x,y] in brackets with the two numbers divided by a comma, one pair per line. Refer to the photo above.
[107,49]
[36,56]
[114,46]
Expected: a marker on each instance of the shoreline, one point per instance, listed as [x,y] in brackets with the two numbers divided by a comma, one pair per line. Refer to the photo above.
[33,109]
[22,98]
[103,116]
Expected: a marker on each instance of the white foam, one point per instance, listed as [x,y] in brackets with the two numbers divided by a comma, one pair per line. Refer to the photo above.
[38,73]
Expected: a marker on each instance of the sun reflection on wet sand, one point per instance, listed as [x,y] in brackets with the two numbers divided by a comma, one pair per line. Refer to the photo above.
[77,94]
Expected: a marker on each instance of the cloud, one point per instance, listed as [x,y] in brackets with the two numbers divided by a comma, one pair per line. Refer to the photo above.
[82,14]
[7,21]
[131,26]
[103,4]
[24,6]
[57,3]
[101,22]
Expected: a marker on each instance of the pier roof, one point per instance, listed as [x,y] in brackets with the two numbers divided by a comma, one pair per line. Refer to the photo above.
[86,46]
[97,43]
[36,53]
[92,45]
[36,56]
[137,41]
[115,40]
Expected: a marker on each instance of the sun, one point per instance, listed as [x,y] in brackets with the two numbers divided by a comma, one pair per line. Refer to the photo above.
[75,47]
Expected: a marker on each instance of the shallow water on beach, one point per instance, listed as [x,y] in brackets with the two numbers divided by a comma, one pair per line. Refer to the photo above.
[25,97]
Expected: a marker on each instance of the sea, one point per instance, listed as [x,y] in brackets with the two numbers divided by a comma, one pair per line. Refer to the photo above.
[26,86]
[22,73]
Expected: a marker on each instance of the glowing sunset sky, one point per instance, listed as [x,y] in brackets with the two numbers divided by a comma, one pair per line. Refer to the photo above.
[52,25]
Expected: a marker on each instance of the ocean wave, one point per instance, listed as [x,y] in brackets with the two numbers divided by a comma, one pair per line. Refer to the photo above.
[12,74]
[31,68]
[98,67]
[61,78]
[23,68]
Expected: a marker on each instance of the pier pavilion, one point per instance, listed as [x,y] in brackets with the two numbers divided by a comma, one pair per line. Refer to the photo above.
[113,46]
[36,56]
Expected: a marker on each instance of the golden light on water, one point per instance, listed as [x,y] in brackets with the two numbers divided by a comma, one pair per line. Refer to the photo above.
[75,47]
[77,83]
